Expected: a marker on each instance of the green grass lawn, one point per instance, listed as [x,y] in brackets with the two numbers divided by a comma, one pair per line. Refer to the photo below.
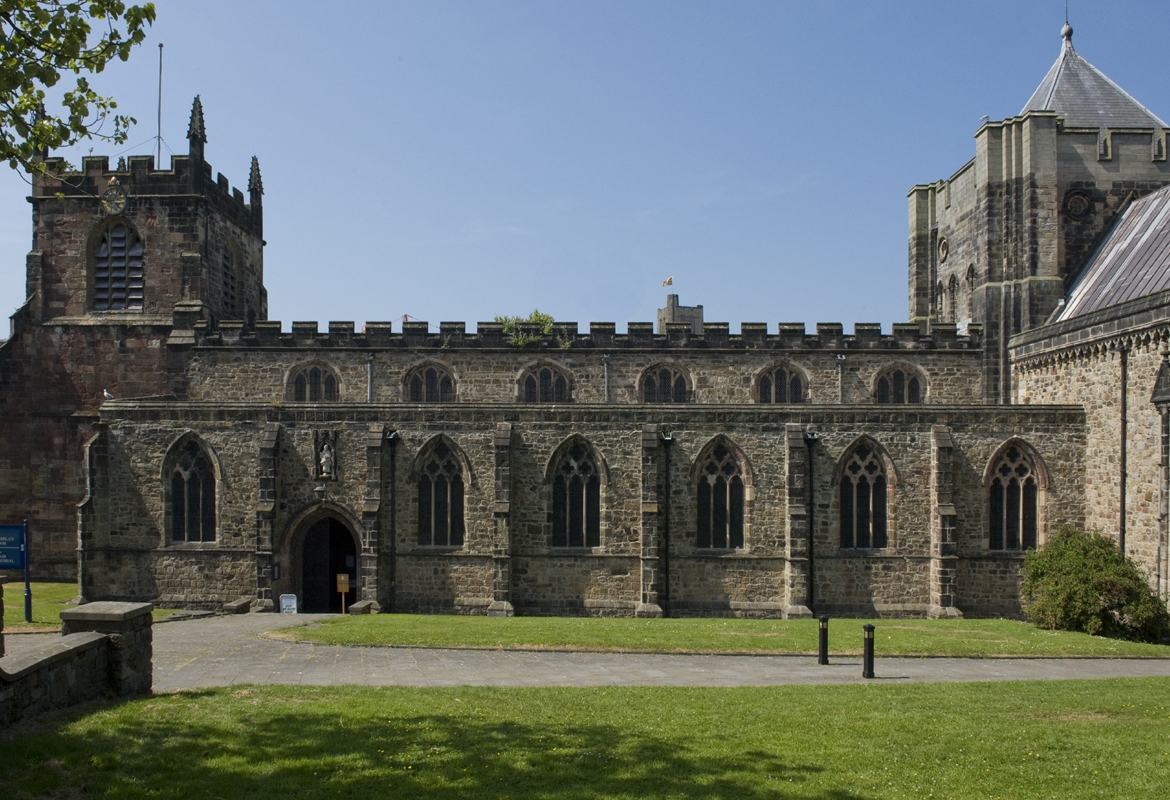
[982,637]
[49,600]
[1066,739]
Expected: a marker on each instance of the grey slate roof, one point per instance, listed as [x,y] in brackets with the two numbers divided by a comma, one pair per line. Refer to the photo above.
[1132,262]
[1084,97]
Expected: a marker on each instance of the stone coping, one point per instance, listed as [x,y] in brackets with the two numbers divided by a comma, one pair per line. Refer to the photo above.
[106,611]
[13,668]
[1123,318]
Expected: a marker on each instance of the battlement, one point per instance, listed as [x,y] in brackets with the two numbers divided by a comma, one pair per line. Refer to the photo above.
[567,336]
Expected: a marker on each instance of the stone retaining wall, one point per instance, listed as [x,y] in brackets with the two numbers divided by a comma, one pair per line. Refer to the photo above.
[105,651]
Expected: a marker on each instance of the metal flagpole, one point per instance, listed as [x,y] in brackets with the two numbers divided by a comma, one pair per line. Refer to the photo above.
[158,138]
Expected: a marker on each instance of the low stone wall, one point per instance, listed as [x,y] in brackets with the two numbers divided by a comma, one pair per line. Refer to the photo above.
[105,651]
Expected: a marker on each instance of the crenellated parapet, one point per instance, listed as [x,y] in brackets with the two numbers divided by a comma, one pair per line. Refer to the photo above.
[567,336]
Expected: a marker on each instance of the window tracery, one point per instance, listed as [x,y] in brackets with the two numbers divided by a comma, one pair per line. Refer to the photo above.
[781,385]
[545,384]
[720,501]
[864,499]
[665,384]
[576,499]
[314,384]
[900,385]
[440,499]
[1013,500]
[430,384]
[192,495]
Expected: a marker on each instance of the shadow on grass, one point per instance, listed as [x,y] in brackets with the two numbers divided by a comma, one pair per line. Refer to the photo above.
[211,745]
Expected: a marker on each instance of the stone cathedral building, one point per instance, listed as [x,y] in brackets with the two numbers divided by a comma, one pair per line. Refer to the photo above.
[684,470]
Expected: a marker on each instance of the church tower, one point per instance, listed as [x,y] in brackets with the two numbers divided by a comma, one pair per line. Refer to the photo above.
[117,253]
[999,242]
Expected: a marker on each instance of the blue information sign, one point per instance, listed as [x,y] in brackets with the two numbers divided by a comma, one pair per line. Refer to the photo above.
[11,547]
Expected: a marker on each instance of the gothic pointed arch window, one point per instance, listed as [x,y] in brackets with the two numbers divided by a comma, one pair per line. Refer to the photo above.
[190,494]
[721,500]
[666,383]
[118,269]
[940,302]
[863,494]
[430,383]
[783,384]
[440,498]
[953,299]
[576,499]
[900,385]
[1014,489]
[545,383]
[313,383]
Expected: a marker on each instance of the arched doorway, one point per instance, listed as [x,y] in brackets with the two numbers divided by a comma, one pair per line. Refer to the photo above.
[328,550]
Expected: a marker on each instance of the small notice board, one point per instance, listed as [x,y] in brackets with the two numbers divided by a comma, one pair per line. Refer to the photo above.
[11,547]
[288,604]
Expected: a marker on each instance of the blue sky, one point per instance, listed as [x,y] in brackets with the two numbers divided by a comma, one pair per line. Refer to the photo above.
[458,160]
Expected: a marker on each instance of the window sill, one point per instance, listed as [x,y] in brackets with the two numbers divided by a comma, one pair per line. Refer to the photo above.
[193,545]
[722,552]
[438,549]
[576,551]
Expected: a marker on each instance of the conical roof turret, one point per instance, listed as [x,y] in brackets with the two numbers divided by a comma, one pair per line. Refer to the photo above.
[1084,97]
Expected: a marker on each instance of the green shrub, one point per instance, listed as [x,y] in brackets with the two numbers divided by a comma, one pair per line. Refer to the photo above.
[1081,582]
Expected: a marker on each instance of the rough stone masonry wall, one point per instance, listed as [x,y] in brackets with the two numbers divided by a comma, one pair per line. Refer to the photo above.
[124,521]
[1089,375]
[105,651]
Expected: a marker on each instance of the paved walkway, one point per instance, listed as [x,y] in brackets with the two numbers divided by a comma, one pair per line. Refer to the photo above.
[225,651]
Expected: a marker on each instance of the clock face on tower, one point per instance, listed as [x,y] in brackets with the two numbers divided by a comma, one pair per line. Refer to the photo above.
[114,200]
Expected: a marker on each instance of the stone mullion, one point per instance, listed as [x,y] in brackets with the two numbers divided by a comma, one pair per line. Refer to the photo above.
[266,514]
[371,513]
[652,483]
[796,552]
[944,559]
[501,605]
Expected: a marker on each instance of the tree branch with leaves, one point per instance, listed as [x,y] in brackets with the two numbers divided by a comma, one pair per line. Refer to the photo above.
[42,40]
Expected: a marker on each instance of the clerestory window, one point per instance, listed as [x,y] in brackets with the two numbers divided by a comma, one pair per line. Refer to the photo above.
[314,384]
[430,384]
[118,272]
[899,386]
[545,384]
[665,384]
[782,385]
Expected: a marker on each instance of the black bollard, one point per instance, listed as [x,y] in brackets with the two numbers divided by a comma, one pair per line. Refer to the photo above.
[867,653]
[823,657]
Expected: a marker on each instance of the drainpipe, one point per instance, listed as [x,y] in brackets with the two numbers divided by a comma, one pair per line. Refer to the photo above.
[1123,354]
[667,440]
[369,377]
[840,379]
[605,367]
[393,438]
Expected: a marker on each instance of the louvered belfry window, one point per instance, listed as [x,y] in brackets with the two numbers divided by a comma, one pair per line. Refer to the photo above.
[576,495]
[193,496]
[665,385]
[431,385]
[899,386]
[546,385]
[1014,502]
[230,299]
[863,500]
[721,501]
[118,280]
[440,500]
[781,386]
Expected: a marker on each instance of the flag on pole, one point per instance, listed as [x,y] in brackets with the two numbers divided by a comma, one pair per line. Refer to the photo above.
[669,281]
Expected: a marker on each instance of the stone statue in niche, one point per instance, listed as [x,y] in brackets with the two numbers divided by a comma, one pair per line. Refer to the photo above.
[326,448]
